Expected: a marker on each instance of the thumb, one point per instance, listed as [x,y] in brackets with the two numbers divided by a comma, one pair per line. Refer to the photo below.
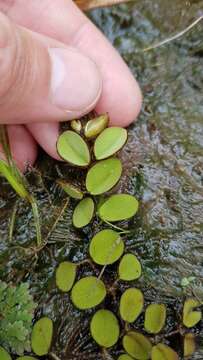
[40,83]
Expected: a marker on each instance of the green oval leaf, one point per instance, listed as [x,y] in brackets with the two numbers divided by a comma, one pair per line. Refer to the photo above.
[129,268]
[76,125]
[189,344]
[72,148]
[83,212]
[118,207]
[72,190]
[95,126]
[103,176]
[137,345]
[104,328]
[125,357]
[26,358]
[155,317]
[163,352]
[131,304]
[4,355]
[106,247]
[42,334]
[191,317]
[88,292]
[65,276]
[109,142]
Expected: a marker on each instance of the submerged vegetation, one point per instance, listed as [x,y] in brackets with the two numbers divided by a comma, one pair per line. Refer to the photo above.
[108,290]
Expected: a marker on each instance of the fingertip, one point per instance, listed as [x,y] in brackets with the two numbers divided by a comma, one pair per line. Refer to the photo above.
[124,105]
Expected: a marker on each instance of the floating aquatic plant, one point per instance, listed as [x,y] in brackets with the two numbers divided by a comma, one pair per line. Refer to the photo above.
[75,147]
[103,171]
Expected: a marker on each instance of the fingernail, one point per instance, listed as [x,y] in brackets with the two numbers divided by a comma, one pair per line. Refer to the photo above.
[75,80]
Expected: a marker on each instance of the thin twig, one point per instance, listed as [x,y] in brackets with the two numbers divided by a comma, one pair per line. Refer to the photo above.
[12,222]
[54,356]
[176,36]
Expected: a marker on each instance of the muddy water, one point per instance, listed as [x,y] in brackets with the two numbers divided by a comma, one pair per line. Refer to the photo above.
[163,163]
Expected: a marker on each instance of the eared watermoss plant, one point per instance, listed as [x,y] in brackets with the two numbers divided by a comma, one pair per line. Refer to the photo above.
[93,148]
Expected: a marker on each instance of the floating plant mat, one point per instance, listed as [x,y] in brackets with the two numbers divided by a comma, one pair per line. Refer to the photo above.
[162,167]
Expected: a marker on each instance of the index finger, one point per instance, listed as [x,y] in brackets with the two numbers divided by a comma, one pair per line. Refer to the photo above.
[62,20]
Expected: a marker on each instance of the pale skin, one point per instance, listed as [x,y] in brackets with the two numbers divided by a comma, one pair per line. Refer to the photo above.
[55,65]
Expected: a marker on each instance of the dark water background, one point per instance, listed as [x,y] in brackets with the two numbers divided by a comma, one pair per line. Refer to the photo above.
[163,164]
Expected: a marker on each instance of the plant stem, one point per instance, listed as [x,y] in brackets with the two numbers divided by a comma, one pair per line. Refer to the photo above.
[122,231]
[36,219]
[54,356]
[12,223]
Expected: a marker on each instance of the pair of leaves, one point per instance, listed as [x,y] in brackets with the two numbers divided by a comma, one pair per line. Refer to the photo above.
[93,127]
[139,347]
[73,148]
[115,208]
[87,293]
[42,334]
[105,328]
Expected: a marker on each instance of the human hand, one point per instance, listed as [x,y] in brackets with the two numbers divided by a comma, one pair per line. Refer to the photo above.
[55,65]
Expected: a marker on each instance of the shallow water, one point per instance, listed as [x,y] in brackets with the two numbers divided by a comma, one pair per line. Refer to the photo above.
[163,163]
